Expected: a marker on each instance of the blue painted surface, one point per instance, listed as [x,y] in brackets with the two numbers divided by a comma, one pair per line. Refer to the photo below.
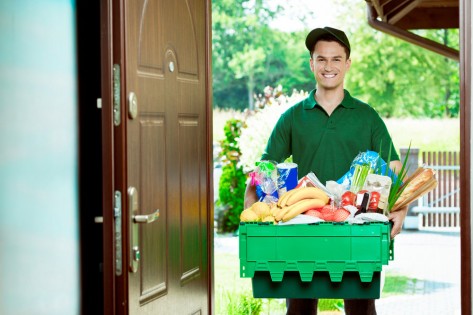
[39,243]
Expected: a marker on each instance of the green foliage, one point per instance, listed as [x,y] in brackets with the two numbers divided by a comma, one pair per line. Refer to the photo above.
[232,183]
[242,303]
[230,150]
[295,69]
[397,78]
[247,54]
[330,305]
[239,29]
[231,196]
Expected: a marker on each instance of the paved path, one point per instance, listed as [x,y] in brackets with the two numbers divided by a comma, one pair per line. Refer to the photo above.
[432,258]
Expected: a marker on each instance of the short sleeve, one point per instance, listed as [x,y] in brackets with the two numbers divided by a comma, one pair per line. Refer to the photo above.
[382,141]
[278,147]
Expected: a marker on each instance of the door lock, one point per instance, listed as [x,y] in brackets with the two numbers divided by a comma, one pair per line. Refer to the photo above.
[135,220]
[136,253]
[132,105]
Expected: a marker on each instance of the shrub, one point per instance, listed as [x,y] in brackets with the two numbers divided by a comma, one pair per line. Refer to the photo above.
[241,147]
[232,182]
[258,127]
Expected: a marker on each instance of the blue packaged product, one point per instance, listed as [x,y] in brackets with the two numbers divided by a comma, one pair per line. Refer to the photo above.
[287,177]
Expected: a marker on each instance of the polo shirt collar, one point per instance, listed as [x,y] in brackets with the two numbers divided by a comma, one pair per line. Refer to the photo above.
[310,102]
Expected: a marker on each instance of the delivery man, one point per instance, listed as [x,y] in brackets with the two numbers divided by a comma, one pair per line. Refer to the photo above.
[325,132]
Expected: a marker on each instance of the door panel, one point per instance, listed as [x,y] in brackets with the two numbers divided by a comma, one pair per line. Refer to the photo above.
[158,29]
[153,236]
[167,158]
[189,153]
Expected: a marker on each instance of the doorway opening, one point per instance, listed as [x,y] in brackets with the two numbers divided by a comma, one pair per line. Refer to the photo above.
[90,156]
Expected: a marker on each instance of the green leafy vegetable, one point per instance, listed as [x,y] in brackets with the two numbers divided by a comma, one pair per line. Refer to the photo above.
[397,186]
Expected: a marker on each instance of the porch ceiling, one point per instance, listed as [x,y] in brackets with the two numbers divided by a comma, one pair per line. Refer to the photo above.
[400,17]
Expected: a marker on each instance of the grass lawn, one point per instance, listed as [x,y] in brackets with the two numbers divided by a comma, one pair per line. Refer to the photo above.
[426,134]
[230,289]
[398,284]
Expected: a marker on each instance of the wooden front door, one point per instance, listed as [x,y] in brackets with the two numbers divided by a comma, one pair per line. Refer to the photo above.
[165,170]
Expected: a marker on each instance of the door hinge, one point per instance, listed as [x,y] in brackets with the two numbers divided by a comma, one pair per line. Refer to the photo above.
[116,95]
[117,213]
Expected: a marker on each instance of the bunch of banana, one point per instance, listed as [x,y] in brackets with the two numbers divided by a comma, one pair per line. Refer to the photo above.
[299,200]
[258,212]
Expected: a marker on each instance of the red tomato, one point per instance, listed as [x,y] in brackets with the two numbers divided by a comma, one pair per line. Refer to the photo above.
[348,198]
[375,195]
[374,200]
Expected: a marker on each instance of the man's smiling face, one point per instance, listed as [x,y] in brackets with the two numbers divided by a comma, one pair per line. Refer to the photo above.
[329,64]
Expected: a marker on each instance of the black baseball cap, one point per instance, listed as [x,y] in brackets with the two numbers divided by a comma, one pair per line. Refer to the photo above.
[316,33]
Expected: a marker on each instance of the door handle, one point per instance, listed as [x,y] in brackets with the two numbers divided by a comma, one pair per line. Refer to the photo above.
[135,220]
[146,218]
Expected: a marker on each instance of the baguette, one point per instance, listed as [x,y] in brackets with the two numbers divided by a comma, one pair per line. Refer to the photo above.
[419,183]
[424,189]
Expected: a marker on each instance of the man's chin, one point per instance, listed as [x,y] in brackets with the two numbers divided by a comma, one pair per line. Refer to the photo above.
[328,87]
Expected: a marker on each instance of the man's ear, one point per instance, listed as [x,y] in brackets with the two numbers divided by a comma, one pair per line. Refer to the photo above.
[311,62]
[348,64]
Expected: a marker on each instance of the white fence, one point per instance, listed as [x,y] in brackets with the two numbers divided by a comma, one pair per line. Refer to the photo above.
[439,210]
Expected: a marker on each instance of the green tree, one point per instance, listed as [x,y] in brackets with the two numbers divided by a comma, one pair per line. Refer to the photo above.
[248,64]
[448,72]
[395,77]
[296,74]
[398,78]
[249,54]
[239,27]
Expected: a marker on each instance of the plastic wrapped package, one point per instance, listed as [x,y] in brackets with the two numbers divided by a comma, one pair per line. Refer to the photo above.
[265,178]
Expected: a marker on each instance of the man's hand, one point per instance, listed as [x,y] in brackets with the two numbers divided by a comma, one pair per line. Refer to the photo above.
[397,218]
[395,166]
[250,195]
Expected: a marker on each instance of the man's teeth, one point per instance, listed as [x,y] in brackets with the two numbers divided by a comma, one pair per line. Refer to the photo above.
[329,75]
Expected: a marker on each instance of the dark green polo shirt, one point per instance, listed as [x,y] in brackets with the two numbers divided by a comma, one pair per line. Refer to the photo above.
[327,145]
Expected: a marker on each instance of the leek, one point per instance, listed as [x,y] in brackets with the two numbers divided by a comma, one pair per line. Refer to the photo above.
[359,177]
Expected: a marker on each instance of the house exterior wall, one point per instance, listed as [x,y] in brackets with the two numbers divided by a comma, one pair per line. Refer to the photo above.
[39,255]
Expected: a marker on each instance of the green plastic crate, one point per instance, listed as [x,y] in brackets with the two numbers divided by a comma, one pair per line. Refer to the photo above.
[320,287]
[324,260]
